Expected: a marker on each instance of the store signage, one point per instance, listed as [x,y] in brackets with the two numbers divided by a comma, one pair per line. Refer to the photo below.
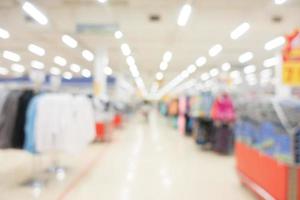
[291,60]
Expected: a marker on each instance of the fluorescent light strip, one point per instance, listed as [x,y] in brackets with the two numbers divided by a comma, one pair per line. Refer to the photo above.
[275,43]
[12,56]
[55,71]
[108,71]
[191,69]
[37,64]
[67,75]
[249,69]
[60,61]
[201,61]
[86,73]
[36,50]
[69,41]
[118,35]
[159,76]
[271,62]
[215,50]
[130,60]
[184,15]
[226,67]
[240,31]
[279,2]
[167,56]
[246,57]
[88,55]
[204,76]
[4,34]
[17,68]
[163,66]
[214,72]
[33,12]
[75,68]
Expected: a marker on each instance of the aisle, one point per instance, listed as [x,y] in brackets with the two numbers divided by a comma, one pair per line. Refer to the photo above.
[152,161]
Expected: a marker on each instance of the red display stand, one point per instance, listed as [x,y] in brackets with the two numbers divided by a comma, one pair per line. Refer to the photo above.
[117,120]
[100,131]
[262,174]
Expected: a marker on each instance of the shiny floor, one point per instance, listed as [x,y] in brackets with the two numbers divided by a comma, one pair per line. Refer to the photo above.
[144,161]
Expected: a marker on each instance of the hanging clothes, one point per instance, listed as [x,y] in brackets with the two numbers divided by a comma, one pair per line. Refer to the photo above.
[19,127]
[8,118]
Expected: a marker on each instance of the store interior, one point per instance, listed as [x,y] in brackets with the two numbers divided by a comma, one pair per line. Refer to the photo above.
[149,100]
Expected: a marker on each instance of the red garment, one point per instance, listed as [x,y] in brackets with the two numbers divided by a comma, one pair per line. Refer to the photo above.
[223,109]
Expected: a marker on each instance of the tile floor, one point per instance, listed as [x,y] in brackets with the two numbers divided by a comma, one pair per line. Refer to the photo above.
[144,161]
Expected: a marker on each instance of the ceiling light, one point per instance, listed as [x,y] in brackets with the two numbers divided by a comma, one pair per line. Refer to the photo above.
[266,73]
[125,49]
[163,66]
[226,67]
[271,62]
[69,41]
[37,64]
[279,2]
[275,43]
[245,57]
[184,74]
[250,77]
[235,74]
[237,81]
[191,69]
[88,55]
[118,34]
[17,68]
[102,1]
[33,12]
[134,71]
[9,55]
[130,60]
[86,73]
[249,69]
[214,72]
[204,76]
[184,15]
[215,50]
[4,34]
[240,30]
[75,68]
[36,50]
[68,75]
[55,71]
[167,56]
[201,61]
[108,71]
[159,76]
[3,71]
[60,61]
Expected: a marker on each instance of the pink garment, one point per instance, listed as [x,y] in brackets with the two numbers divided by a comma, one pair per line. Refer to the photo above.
[223,109]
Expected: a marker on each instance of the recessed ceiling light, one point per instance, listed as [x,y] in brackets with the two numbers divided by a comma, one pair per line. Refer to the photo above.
[159,76]
[102,1]
[240,31]
[167,56]
[17,68]
[75,68]
[60,61]
[275,43]
[246,57]
[201,61]
[4,34]
[125,49]
[235,74]
[163,66]
[130,60]
[69,41]
[12,56]
[184,15]
[118,34]
[86,73]
[214,72]
[108,71]
[226,67]
[215,50]
[67,75]
[88,55]
[33,12]
[37,64]
[191,69]
[55,71]
[36,50]
[204,76]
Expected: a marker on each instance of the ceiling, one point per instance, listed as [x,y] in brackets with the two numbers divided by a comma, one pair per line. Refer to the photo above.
[211,22]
